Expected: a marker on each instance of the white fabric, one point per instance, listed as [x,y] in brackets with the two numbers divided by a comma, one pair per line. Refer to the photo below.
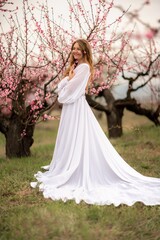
[85,166]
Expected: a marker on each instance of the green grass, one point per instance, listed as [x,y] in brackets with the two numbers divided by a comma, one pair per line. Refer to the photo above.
[26,215]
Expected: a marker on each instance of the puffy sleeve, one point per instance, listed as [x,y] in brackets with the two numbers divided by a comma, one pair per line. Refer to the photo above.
[62,84]
[72,89]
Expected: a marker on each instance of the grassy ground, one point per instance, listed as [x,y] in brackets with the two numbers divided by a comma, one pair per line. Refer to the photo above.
[26,215]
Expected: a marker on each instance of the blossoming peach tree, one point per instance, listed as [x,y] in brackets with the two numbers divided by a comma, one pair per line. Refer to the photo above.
[137,87]
[34,55]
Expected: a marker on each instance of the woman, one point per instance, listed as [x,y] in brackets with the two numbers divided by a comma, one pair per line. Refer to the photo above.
[85,166]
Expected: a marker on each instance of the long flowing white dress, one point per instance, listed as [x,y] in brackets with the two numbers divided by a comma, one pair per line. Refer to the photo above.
[85,165]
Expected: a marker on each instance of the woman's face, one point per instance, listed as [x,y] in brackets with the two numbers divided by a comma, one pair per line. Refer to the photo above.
[77,52]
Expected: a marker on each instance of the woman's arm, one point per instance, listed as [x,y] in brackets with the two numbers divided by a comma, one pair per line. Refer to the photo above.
[62,84]
[76,85]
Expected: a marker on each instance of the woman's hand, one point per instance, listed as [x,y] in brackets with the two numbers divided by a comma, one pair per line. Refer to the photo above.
[71,72]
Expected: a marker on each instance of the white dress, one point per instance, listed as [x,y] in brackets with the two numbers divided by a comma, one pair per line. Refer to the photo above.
[85,165]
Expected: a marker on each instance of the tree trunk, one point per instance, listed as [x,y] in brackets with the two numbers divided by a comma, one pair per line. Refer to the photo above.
[113,113]
[114,120]
[114,117]
[16,144]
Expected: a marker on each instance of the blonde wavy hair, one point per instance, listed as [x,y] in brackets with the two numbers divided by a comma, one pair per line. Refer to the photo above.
[87,54]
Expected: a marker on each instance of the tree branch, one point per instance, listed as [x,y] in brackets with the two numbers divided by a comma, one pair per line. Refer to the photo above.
[131,79]
[133,106]
[96,105]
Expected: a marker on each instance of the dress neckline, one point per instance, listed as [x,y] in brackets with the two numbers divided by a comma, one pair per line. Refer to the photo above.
[82,64]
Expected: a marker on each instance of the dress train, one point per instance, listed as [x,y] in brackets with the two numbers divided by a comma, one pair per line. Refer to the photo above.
[85,166]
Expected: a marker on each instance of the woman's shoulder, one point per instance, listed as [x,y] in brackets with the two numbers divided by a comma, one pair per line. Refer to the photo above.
[83,65]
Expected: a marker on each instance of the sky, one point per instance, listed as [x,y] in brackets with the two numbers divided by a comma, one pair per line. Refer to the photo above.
[150,14]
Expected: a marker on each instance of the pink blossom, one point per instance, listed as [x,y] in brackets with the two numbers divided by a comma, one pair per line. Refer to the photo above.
[151,33]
